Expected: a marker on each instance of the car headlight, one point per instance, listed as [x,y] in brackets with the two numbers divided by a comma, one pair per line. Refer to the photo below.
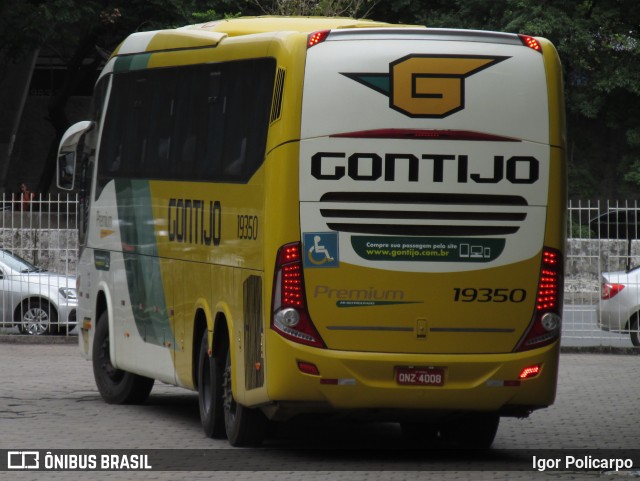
[68,293]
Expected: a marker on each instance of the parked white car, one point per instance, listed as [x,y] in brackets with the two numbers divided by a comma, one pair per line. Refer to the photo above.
[37,301]
[619,308]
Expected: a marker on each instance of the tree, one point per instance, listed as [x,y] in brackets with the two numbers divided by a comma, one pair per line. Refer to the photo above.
[599,46]
[327,8]
[597,41]
[82,34]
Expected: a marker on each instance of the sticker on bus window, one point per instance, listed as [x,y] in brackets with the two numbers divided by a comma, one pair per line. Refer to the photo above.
[321,249]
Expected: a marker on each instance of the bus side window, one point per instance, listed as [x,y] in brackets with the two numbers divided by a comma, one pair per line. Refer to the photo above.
[247,88]
[138,128]
[185,124]
[160,128]
[214,121]
[235,167]
[194,123]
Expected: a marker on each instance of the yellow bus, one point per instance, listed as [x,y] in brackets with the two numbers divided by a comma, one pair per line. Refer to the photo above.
[319,216]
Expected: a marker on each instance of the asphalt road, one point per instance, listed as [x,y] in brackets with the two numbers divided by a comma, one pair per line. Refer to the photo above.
[48,401]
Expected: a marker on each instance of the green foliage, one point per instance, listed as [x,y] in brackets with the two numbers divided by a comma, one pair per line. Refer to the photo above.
[633,175]
[598,42]
[65,25]
[580,231]
[326,8]
[203,17]
[583,184]
[599,46]
[81,33]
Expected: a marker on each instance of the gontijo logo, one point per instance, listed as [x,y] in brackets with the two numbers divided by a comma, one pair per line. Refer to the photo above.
[427,86]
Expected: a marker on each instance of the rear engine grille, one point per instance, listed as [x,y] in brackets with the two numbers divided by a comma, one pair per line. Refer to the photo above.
[433,214]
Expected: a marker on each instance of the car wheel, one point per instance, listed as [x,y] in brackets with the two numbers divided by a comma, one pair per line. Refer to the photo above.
[36,317]
[634,332]
[115,385]
[244,426]
[210,388]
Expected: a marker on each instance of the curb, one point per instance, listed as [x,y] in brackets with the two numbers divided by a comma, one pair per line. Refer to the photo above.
[631,351]
[22,339]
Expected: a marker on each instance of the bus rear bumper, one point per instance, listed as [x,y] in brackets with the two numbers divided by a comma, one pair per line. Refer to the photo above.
[367,382]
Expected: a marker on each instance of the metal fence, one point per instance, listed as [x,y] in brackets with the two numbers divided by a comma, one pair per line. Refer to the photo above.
[601,239]
[38,255]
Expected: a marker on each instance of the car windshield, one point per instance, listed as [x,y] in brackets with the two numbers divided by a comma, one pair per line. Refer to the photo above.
[17,263]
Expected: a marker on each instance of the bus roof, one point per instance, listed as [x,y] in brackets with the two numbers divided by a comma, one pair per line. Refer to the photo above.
[212,33]
[251,25]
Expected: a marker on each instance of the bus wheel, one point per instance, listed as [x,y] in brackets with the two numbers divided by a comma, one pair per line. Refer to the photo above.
[471,431]
[115,385]
[210,378]
[244,426]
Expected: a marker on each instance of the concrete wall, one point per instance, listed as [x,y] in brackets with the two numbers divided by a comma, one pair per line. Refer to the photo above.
[588,258]
[55,250]
[610,255]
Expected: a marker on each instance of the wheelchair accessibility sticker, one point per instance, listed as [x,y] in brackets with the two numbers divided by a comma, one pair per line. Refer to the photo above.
[321,249]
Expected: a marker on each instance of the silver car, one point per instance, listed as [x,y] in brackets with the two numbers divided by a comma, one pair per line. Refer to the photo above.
[619,308]
[37,301]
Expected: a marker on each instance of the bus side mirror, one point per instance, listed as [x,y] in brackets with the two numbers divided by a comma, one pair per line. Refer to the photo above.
[68,153]
[66,170]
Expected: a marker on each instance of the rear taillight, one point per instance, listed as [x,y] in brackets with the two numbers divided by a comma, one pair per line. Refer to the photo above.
[529,372]
[609,290]
[545,325]
[289,316]
[317,37]
[425,134]
[531,42]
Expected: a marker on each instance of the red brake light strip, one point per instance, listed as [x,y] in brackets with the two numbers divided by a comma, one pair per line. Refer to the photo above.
[424,134]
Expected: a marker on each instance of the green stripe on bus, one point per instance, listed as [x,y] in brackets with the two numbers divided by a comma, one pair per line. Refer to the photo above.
[142,264]
[127,63]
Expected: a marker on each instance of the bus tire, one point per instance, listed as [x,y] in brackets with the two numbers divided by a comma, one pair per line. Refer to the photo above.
[244,426]
[115,385]
[471,431]
[210,388]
